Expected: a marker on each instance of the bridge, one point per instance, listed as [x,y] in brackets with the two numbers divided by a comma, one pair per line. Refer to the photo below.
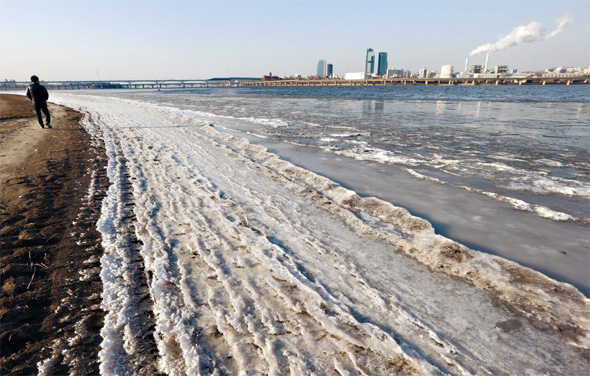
[129,84]
[582,80]
[248,81]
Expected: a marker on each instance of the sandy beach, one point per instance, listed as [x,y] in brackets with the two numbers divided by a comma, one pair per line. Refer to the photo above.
[50,248]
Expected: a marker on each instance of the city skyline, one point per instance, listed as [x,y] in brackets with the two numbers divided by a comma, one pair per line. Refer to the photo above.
[132,40]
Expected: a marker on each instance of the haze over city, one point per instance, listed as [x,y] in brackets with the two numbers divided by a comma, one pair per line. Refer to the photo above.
[129,39]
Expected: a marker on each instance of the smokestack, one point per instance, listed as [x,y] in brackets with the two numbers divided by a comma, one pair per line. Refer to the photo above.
[466,64]
[485,67]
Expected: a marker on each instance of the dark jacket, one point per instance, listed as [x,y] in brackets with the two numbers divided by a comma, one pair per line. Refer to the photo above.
[37,93]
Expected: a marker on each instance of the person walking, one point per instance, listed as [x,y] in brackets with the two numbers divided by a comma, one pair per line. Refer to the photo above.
[39,95]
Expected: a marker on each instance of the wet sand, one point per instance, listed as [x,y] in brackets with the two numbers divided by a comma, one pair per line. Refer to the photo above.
[50,250]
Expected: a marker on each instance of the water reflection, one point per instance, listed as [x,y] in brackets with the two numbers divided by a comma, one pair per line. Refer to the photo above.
[478,109]
[367,108]
[379,105]
[441,107]
[583,111]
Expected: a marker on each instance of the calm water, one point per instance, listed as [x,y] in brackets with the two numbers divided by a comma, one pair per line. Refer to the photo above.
[524,151]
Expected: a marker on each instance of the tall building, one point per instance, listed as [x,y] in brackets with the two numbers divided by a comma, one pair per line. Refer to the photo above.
[369,63]
[330,70]
[382,64]
[322,68]
[423,73]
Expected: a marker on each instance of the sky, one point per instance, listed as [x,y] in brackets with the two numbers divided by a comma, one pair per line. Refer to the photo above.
[90,40]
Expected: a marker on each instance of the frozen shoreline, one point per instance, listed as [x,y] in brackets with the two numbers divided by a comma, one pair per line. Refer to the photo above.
[459,154]
[249,254]
[559,250]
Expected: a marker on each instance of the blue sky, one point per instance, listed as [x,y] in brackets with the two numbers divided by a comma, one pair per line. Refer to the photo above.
[202,39]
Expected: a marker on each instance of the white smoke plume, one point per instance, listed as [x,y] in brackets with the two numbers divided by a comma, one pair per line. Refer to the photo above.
[532,32]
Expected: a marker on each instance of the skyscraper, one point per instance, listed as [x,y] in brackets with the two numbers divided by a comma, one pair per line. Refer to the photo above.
[322,68]
[369,63]
[330,70]
[382,66]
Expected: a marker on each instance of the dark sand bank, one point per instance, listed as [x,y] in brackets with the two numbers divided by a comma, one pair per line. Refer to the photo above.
[50,250]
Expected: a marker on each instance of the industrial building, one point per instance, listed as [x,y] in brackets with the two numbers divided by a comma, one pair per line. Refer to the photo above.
[355,76]
[480,71]
[446,71]
[501,69]
[476,69]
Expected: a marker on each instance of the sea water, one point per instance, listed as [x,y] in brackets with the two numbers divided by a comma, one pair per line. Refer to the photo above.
[500,169]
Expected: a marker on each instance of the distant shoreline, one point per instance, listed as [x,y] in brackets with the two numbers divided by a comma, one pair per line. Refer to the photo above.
[234,82]
[583,80]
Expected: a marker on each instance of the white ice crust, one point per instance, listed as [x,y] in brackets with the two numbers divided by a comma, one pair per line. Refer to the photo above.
[257,266]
